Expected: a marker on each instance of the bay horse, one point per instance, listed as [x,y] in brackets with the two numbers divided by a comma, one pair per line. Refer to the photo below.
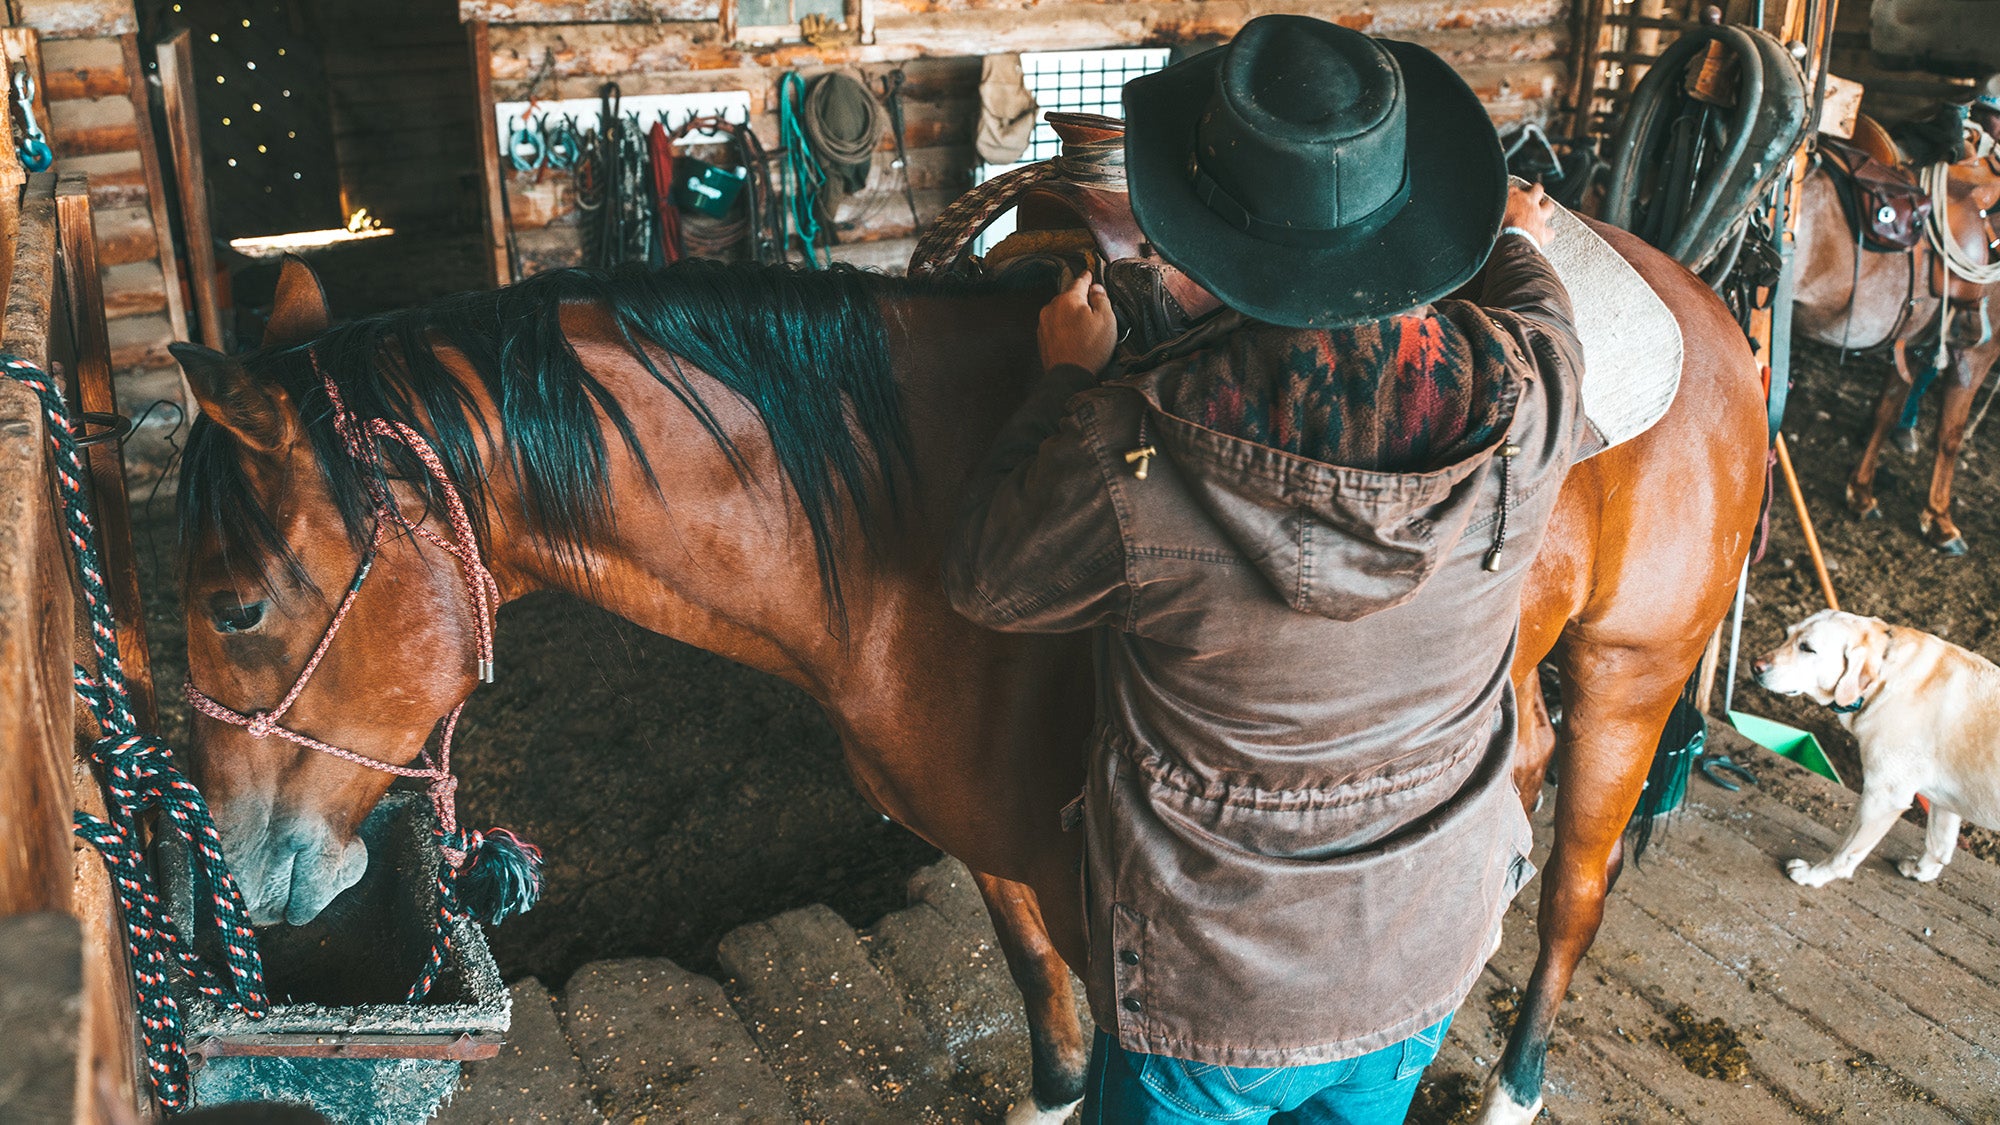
[1849,297]
[764,462]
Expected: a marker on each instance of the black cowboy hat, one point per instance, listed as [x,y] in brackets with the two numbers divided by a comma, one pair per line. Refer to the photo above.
[1312,176]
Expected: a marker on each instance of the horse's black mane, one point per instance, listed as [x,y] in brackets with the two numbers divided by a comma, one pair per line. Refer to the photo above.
[807,348]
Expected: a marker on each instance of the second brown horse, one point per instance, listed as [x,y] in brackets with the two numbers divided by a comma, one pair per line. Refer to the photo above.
[971,739]
[1850,297]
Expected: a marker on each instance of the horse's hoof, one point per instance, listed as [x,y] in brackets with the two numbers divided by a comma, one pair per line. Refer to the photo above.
[1862,502]
[1953,548]
[1028,1112]
[1904,438]
[1498,1107]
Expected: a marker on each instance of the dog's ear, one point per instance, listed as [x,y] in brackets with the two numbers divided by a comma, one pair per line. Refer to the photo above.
[1861,663]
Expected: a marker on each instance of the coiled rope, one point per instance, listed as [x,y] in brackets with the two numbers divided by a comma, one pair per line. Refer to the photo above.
[139,774]
[804,179]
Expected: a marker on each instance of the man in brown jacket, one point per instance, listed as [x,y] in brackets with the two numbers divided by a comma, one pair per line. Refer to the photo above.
[1298,535]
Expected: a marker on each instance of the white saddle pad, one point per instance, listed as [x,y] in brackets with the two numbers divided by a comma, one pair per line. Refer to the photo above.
[1631,341]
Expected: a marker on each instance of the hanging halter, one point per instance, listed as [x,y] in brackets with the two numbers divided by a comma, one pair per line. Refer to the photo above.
[505,868]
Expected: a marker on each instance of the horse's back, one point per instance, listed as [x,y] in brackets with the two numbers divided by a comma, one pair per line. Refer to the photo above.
[1646,532]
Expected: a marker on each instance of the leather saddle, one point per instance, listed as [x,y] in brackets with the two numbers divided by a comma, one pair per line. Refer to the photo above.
[1886,207]
[1073,213]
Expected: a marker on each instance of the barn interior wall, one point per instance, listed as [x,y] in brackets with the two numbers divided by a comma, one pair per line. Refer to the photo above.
[1512,52]
[95,126]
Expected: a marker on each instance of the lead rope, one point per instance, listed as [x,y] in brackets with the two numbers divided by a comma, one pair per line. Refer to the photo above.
[138,773]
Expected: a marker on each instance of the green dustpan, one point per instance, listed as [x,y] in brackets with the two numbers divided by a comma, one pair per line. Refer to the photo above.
[1786,742]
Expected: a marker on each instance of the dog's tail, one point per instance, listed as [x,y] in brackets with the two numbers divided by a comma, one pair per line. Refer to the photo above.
[1666,783]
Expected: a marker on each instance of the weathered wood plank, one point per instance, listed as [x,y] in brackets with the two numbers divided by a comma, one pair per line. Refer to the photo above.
[37,637]
[76,19]
[1461,31]
[133,289]
[35,607]
[88,126]
[176,62]
[493,195]
[126,234]
[83,68]
[588,11]
[91,368]
[156,198]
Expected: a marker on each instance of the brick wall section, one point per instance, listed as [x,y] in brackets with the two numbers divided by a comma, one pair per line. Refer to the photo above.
[1512,52]
[94,128]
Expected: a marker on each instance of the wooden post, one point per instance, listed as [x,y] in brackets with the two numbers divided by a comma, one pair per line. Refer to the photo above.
[76,241]
[493,197]
[184,128]
[42,777]
[156,191]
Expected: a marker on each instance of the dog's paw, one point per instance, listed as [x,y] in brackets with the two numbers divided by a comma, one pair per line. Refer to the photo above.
[1807,874]
[1921,868]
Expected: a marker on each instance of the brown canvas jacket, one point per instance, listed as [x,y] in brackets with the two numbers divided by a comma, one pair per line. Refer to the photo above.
[1301,830]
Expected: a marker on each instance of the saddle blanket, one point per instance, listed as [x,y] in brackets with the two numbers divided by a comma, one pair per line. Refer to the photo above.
[1631,341]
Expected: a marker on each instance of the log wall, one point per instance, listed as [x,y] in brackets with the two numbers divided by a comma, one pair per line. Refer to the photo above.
[1511,51]
[99,124]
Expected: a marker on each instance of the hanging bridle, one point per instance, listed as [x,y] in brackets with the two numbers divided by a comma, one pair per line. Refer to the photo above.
[358,436]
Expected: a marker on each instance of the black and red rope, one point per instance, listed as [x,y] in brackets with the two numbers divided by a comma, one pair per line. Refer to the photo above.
[139,774]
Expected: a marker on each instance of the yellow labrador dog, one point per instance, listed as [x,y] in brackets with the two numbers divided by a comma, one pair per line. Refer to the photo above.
[1927,715]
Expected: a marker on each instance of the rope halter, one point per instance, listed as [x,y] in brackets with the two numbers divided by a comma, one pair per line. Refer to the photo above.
[359,438]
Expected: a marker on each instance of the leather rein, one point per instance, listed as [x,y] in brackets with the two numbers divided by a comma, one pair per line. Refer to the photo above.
[359,438]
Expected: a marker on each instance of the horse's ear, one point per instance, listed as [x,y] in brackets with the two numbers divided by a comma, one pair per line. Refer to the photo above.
[229,395]
[298,312]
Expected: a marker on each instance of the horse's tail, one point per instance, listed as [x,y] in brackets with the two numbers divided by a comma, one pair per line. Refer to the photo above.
[1667,781]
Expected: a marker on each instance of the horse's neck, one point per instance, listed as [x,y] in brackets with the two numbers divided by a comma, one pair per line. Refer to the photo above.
[700,565]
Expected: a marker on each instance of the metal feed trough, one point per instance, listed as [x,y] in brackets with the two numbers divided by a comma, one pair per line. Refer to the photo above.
[339,1036]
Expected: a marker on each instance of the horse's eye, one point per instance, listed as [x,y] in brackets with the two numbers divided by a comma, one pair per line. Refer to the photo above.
[232,616]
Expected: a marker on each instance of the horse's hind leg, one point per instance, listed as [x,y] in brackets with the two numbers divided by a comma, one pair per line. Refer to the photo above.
[1888,412]
[1970,369]
[1615,703]
[1061,1053]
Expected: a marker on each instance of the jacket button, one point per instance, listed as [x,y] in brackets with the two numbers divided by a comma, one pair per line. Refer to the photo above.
[1131,1004]
[1128,957]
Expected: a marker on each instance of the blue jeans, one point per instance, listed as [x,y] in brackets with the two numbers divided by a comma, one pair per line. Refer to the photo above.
[1128,1088]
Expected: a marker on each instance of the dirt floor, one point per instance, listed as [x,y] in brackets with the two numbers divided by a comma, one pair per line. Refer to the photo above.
[1880,567]
[678,795]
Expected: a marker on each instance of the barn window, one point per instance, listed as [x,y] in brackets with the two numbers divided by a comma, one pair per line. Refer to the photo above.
[776,21]
[1070,82]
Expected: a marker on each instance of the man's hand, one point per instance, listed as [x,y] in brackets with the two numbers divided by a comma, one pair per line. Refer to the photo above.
[1530,209]
[1078,327]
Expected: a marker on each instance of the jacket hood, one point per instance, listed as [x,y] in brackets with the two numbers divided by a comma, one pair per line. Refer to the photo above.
[1338,542]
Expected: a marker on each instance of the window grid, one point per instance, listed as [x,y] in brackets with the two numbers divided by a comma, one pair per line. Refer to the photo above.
[1070,82]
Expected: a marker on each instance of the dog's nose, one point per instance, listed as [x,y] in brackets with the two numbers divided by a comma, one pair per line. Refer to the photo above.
[1760,666]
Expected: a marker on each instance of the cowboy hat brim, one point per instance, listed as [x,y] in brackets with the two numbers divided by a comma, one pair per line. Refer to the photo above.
[1436,243]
